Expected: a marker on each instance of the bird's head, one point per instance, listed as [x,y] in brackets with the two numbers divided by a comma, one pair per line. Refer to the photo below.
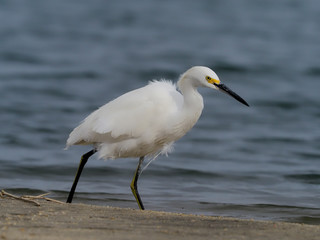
[200,76]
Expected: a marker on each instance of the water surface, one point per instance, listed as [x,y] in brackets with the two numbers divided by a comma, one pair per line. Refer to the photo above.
[60,60]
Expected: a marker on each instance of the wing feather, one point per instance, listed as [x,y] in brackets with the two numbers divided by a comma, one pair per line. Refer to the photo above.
[144,111]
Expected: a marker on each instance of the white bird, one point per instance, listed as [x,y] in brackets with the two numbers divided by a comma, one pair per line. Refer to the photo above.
[145,121]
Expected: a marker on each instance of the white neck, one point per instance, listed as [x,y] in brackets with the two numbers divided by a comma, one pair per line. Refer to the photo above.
[192,98]
[192,103]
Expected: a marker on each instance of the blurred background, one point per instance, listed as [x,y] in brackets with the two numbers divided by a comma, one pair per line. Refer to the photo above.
[62,59]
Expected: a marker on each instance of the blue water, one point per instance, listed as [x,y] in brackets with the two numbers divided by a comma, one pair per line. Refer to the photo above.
[60,60]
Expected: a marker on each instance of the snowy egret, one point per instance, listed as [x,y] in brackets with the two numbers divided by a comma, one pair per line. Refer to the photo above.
[145,121]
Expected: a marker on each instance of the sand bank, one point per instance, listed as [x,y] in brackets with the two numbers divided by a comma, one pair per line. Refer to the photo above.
[23,220]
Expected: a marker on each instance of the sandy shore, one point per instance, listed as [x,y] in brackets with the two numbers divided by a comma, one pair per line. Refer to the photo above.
[23,220]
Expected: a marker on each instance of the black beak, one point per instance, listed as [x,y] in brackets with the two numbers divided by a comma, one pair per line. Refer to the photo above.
[228,91]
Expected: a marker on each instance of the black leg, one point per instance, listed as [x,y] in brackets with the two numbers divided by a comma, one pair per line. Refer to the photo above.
[134,186]
[83,162]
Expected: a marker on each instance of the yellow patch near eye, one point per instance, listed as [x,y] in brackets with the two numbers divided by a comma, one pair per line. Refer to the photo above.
[216,81]
[212,80]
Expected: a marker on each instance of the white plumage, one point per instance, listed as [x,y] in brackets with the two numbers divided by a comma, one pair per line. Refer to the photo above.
[145,121]
[134,124]
[139,123]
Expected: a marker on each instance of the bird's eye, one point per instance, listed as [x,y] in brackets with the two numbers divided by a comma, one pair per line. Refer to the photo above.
[209,79]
